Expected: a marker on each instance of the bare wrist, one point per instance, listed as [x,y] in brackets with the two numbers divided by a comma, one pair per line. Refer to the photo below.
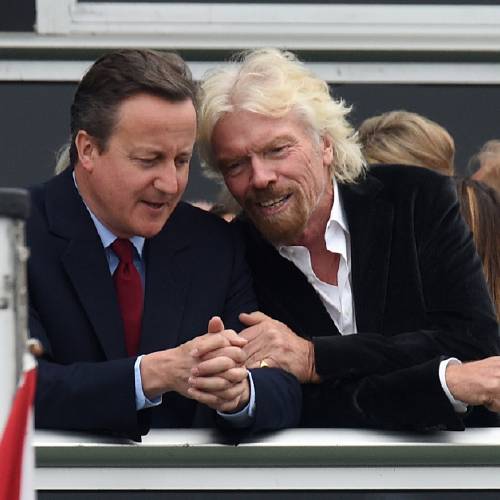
[244,397]
[452,378]
[156,373]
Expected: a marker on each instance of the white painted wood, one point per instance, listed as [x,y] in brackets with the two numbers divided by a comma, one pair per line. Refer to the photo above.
[293,459]
[273,478]
[42,71]
[297,26]
[335,72]
[53,16]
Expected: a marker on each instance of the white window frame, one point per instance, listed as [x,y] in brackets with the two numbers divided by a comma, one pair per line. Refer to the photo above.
[213,26]
[335,72]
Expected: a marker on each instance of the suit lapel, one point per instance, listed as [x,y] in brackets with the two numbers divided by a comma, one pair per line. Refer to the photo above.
[167,284]
[370,219]
[85,263]
[88,271]
[279,283]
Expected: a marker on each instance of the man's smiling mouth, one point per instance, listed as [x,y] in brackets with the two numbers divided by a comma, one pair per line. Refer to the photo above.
[274,203]
[156,206]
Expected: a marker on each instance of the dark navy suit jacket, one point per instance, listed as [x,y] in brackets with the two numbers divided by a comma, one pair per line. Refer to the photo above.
[194,269]
[419,296]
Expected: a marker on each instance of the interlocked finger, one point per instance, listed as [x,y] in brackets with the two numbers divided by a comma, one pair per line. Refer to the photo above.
[210,384]
[213,366]
[235,353]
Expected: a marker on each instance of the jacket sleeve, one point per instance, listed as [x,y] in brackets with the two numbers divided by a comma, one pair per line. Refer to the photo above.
[406,399]
[278,405]
[96,396]
[460,319]
[278,399]
[278,395]
[240,296]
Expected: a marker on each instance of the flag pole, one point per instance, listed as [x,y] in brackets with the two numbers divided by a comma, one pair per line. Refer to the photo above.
[14,208]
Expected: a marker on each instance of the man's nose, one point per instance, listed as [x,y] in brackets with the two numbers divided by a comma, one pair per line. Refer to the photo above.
[263,173]
[166,179]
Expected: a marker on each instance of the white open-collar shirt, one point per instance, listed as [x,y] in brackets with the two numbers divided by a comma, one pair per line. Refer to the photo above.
[338,300]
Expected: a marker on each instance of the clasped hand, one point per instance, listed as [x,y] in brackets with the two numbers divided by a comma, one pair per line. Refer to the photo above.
[209,368]
[278,346]
[476,383]
[219,379]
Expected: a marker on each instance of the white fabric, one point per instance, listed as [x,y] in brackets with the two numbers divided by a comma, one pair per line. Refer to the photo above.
[338,300]
[458,406]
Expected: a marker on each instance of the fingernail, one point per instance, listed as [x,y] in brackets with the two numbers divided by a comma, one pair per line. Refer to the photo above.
[194,352]
[195,371]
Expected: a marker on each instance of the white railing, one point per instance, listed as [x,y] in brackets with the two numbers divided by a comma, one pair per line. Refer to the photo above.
[296,459]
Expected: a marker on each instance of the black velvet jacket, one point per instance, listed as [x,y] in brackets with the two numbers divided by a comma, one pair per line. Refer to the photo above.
[419,295]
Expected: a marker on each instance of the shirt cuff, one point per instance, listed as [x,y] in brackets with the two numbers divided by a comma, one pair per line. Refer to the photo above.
[458,406]
[244,417]
[141,401]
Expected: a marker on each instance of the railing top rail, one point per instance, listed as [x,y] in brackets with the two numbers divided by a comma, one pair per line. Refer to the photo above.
[290,448]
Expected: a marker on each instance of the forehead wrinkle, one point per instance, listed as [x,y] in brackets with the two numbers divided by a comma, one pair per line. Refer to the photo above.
[261,146]
[235,143]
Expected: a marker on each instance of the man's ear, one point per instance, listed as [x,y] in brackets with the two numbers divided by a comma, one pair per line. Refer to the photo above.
[87,149]
[327,150]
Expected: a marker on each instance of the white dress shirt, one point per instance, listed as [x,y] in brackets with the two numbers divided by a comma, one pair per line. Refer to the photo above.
[338,299]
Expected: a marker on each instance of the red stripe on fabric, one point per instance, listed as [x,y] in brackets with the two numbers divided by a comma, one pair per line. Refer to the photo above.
[12,443]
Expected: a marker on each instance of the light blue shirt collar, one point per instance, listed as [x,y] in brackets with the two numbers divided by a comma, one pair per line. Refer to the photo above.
[107,236]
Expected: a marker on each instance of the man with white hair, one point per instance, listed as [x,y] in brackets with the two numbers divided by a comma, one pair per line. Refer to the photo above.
[370,289]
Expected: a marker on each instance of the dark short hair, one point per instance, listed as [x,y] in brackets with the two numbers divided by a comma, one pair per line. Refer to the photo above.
[119,75]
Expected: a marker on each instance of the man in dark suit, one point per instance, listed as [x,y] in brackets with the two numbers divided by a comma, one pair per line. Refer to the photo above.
[370,289]
[135,295]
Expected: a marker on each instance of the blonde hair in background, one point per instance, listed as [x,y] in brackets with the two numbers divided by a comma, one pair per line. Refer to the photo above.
[480,207]
[62,159]
[488,160]
[409,139]
[274,83]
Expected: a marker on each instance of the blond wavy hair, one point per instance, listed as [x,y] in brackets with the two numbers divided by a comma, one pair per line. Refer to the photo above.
[487,164]
[274,83]
[409,139]
[62,158]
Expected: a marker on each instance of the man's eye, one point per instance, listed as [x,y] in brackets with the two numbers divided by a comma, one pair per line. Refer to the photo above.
[278,150]
[231,167]
[182,162]
[147,162]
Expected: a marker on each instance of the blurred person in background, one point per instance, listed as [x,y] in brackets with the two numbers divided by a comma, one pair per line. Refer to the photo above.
[62,158]
[486,164]
[480,207]
[406,138]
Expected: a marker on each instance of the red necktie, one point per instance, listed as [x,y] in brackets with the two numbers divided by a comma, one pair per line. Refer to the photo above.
[129,292]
